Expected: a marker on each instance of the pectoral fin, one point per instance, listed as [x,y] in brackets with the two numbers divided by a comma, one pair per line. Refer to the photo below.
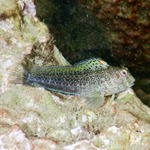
[94,100]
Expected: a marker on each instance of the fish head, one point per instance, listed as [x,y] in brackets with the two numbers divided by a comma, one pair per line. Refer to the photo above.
[128,78]
[120,79]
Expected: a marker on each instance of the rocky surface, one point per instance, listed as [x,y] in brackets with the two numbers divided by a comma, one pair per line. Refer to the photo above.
[78,34]
[129,26]
[33,118]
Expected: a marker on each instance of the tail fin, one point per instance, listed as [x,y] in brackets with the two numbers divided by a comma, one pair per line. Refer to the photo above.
[18,76]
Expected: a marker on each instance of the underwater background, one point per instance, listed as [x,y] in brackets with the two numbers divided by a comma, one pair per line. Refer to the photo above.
[116,31]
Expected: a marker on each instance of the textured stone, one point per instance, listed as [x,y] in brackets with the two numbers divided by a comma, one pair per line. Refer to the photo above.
[33,118]
[128,30]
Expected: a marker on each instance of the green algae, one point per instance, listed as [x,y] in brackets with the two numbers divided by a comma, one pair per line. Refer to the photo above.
[8,9]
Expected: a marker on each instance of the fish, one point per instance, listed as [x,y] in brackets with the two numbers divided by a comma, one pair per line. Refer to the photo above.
[92,79]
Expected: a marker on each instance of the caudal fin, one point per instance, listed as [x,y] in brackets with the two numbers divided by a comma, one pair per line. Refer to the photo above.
[18,76]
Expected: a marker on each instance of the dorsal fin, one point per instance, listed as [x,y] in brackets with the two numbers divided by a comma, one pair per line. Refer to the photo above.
[93,64]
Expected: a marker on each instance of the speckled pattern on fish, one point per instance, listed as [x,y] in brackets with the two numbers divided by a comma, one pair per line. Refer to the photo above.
[92,78]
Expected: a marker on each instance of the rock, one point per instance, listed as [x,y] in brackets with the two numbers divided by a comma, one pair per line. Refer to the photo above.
[79,35]
[128,30]
[16,139]
[33,118]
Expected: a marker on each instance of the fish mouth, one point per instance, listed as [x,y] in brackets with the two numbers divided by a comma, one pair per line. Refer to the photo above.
[132,82]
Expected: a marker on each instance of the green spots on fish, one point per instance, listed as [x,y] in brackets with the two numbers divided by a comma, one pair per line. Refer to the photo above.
[90,65]
[92,79]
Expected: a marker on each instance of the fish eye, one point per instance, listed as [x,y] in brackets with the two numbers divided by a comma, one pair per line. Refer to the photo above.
[124,72]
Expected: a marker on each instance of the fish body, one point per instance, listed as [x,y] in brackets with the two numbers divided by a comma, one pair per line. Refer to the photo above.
[70,80]
[92,78]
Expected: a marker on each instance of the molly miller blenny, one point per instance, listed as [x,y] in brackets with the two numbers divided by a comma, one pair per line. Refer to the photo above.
[92,79]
